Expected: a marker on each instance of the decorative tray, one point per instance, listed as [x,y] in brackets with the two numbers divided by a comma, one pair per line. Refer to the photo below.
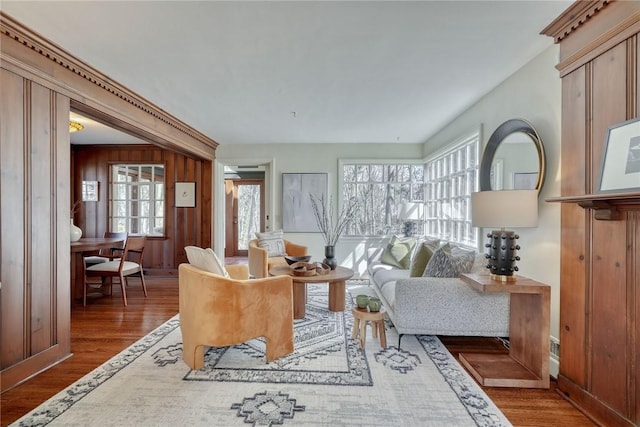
[306,269]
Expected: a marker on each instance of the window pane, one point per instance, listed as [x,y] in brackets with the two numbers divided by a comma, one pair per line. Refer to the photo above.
[136,195]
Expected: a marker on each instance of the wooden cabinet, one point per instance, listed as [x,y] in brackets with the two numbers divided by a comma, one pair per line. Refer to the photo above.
[600,246]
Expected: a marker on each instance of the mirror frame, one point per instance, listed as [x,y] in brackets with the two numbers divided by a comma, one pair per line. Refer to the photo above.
[503,131]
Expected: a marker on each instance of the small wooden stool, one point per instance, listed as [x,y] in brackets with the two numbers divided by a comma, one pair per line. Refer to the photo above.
[360,318]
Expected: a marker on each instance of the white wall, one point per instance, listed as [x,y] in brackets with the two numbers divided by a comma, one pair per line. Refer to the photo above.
[534,94]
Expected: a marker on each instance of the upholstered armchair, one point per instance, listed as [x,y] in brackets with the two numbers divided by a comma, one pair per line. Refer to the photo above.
[218,311]
[260,262]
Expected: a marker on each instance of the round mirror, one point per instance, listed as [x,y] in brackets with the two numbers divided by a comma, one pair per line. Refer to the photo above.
[513,159]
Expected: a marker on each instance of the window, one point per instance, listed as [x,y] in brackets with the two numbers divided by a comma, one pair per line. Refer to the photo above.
[137,199]
[379,188]
[451,178]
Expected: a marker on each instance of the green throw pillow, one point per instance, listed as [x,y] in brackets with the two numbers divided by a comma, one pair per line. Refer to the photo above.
[398,252]
[421,256]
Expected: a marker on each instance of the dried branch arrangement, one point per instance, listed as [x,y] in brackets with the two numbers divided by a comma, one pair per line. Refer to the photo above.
[330,226]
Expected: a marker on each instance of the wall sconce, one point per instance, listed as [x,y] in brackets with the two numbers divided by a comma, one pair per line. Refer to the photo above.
[506,208]
[75,127]
[410,212]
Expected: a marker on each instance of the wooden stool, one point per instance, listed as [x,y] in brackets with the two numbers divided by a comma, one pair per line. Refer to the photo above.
[360,318]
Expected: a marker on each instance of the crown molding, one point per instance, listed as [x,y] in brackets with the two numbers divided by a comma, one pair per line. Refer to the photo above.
[571,19]
[55,54]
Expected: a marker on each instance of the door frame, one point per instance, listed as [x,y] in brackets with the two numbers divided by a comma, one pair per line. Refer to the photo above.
[231,213]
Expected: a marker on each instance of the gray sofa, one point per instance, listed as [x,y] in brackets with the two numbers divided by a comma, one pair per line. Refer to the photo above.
[437,306]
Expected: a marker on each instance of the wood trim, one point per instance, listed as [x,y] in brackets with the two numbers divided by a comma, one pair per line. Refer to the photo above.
[572,18]
[63,72]
[590,405]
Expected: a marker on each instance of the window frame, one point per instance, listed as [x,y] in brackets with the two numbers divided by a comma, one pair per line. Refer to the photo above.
[395,227]
[459,199]
[153,200]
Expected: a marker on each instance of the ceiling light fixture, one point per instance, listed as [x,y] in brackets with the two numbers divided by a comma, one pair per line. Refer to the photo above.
[75,127]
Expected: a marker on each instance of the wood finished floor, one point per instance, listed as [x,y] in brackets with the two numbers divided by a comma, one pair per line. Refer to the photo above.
[104,328]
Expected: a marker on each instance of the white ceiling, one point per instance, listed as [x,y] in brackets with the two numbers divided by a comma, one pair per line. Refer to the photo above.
[301,71]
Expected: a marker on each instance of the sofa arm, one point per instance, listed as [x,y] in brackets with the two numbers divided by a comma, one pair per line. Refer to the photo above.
[294,249]
[257,257]
[238,271]
[448,306]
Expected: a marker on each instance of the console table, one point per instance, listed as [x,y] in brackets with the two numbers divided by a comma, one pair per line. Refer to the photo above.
[527,364]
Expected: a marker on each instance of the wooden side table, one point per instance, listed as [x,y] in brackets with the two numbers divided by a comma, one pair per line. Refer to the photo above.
[360,318]
[527,364]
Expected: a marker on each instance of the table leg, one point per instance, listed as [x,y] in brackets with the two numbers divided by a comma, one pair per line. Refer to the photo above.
[382,333]
[374,328]
[356,326]
[299,300]
[336,295]
[363,332]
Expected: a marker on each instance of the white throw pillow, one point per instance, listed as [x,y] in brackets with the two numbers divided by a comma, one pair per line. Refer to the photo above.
[206,259]
[273,242]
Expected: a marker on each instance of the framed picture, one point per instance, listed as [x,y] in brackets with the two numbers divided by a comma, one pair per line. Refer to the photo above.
[621,158]
[89,191]
[185,194]
[297,212]
[525,180]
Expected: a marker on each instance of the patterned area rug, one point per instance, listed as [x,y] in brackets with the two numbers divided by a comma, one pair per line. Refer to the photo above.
[328,380]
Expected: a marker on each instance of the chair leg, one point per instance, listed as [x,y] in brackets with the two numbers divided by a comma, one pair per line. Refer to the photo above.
[144,285]
[124,292]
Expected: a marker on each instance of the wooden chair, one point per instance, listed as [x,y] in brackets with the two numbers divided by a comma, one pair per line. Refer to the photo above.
[104,254]
[129,263]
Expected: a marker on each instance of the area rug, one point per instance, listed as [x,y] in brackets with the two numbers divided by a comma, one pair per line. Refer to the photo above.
[328,380]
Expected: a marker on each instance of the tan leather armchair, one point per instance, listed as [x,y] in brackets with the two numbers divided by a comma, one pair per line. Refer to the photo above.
[260,263]
[216,311]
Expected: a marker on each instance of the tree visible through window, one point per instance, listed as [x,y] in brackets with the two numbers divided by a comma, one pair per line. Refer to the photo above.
[379,188]
[137,199]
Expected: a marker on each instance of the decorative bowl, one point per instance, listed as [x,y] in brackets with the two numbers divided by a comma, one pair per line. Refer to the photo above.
[301,268]
[293,259]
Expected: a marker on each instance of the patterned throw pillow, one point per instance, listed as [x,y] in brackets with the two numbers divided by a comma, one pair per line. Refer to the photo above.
[449,261]
[273,242]
[206,259]
[398,252]
[421,255]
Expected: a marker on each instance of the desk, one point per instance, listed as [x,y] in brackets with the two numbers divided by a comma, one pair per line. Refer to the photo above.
[527,364]
[86,244]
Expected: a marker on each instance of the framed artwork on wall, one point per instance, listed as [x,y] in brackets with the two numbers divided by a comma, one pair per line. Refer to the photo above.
[297,212]
[185,194]
[525,180]
[89,191]
[621,158]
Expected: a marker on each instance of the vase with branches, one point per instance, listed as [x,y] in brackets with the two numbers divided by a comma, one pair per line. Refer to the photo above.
[330,225]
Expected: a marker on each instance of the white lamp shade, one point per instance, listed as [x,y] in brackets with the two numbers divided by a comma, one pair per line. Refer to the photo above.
[410,211]
[504,208]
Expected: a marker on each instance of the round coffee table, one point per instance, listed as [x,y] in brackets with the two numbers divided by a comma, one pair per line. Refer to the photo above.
[336,279]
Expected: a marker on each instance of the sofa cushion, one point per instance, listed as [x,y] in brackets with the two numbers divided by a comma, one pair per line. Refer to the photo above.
[479,264]
[383,276]
[273,242]
[398,252]
[450,261]
[206,259]
[421,256]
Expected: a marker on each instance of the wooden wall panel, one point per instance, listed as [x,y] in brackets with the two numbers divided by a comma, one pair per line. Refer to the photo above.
[608,284]
[12,226]
[183,226]
[39,214]
[573,336]
[34,332]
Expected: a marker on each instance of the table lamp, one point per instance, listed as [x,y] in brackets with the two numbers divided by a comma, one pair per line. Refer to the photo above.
[504,209]
[410,212]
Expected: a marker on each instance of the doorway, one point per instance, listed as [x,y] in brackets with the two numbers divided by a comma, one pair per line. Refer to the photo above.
[244,214]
